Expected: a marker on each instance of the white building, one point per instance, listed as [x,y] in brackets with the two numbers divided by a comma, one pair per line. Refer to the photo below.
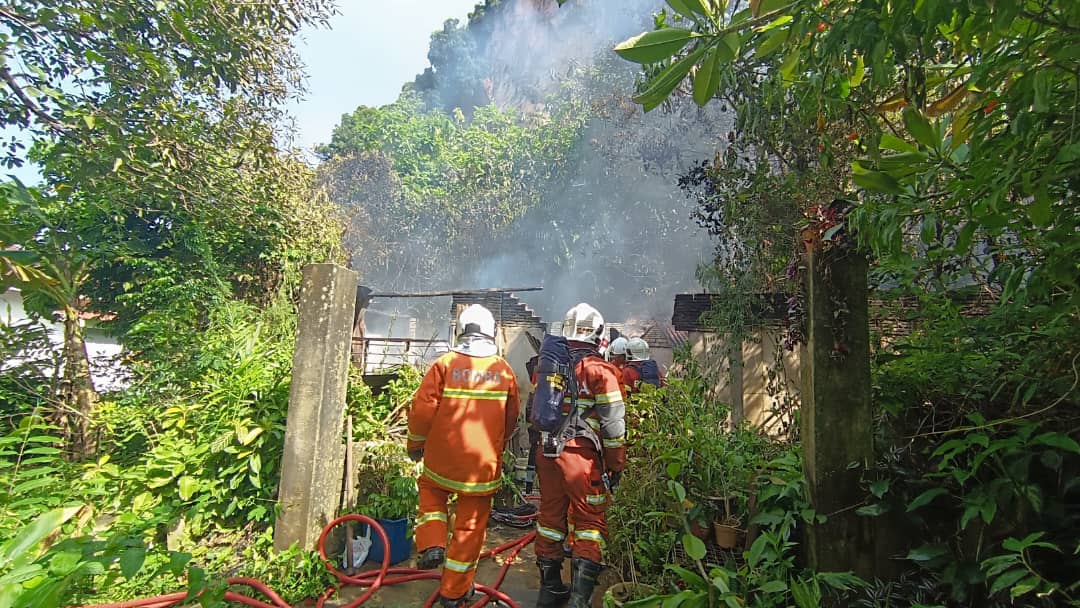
[102,349]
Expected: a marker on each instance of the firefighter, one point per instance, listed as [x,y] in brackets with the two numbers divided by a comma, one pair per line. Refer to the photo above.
[640,367]
[617,352]
[462,416]
[577,482]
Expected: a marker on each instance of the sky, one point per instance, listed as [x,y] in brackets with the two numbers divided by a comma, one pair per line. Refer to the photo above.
[372,48]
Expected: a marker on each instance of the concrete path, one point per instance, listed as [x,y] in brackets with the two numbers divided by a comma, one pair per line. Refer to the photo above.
[521,583]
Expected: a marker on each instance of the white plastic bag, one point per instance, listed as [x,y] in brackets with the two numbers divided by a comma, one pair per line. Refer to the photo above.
[360,547]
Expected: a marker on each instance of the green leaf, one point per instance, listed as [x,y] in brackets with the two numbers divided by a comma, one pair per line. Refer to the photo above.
[878,488]
[773,587]
[926,553]
[876,181]
[1029,585]
[688,8]
[775,23]
[1040,210]
[691,9]
[177,561]
[694,546]
[662,86]
[673,469]
[30,535]
[188,486]
[89,120]
[677,490]
[920,128]
[1058,440]
[1006,580]
[872,510]
[728,49]
[654,46]
[858,73]
[790,63]
[892,142]
[131,561]
[707,79]
[692,579]
[756,549]
[773,42]
[1042,90]
[926,498]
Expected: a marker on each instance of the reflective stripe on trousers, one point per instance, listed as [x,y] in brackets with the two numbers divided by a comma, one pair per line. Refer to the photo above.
[571,485]
[467,541]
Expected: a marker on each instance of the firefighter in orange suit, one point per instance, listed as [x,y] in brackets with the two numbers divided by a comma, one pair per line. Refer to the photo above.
[578,481]
[462,416]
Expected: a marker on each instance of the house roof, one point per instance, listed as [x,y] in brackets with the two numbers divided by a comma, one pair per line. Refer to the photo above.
[691,308]
[658,334]
[508,309]
[893,316]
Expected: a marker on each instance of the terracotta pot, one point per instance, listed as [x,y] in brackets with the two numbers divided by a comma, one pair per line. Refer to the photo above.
[726,536]
[621,593]
[699,530]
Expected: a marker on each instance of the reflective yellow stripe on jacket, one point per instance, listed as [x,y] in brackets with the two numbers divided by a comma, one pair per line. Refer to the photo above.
[473,393]
[476,487]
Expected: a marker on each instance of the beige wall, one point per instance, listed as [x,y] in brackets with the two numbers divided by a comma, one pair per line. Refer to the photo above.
[765,376]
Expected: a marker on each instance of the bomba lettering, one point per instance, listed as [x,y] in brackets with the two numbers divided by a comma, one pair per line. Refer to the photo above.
[474,376]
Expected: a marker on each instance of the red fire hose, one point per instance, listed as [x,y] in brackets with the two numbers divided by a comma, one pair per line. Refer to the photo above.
[373,579]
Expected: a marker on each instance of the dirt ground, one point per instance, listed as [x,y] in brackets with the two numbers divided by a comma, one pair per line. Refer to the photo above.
[522,580]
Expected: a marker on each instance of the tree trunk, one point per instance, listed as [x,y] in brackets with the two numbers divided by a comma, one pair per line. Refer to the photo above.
[77,394]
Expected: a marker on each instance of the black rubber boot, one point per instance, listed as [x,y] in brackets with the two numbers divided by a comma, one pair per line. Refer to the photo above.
[585,573]
[431,558]
[553,592]
[461,602]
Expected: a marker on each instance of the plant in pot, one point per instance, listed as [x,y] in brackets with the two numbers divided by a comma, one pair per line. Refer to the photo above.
[392,504]
[725,525]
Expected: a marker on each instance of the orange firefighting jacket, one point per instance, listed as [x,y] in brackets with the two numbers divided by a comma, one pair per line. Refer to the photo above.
[463,414]
[600,399]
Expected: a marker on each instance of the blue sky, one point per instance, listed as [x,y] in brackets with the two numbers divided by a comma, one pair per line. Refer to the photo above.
[372,48]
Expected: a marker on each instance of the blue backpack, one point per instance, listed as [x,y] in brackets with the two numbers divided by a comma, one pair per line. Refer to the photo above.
[556,379]
[650,371]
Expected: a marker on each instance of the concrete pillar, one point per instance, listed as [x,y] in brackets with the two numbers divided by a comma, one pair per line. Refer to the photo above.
[836,412]
[314,456]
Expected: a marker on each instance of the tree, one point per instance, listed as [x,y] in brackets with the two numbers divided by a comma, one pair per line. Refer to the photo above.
[153,126]
[933,98]
[51,266]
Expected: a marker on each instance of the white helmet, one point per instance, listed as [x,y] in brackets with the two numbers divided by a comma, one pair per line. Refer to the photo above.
[637,349]
[618,347]
[584,324]
[475,319]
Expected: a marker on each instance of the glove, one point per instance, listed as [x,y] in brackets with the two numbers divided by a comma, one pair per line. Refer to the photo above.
[613,479]
[416,455]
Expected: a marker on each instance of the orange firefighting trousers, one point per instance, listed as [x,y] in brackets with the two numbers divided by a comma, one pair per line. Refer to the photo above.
[470,525]
[570,485]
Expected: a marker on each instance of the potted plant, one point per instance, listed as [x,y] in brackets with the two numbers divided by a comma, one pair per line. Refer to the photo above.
[392,505]
[726,527]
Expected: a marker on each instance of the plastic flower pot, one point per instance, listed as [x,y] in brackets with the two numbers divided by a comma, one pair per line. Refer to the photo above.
[725,534]
[397,531]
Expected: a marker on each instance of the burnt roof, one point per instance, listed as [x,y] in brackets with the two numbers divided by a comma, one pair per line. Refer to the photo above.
[769,308]
[508,309]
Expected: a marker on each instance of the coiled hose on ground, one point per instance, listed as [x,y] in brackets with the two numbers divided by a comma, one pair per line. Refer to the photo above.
[373,579]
